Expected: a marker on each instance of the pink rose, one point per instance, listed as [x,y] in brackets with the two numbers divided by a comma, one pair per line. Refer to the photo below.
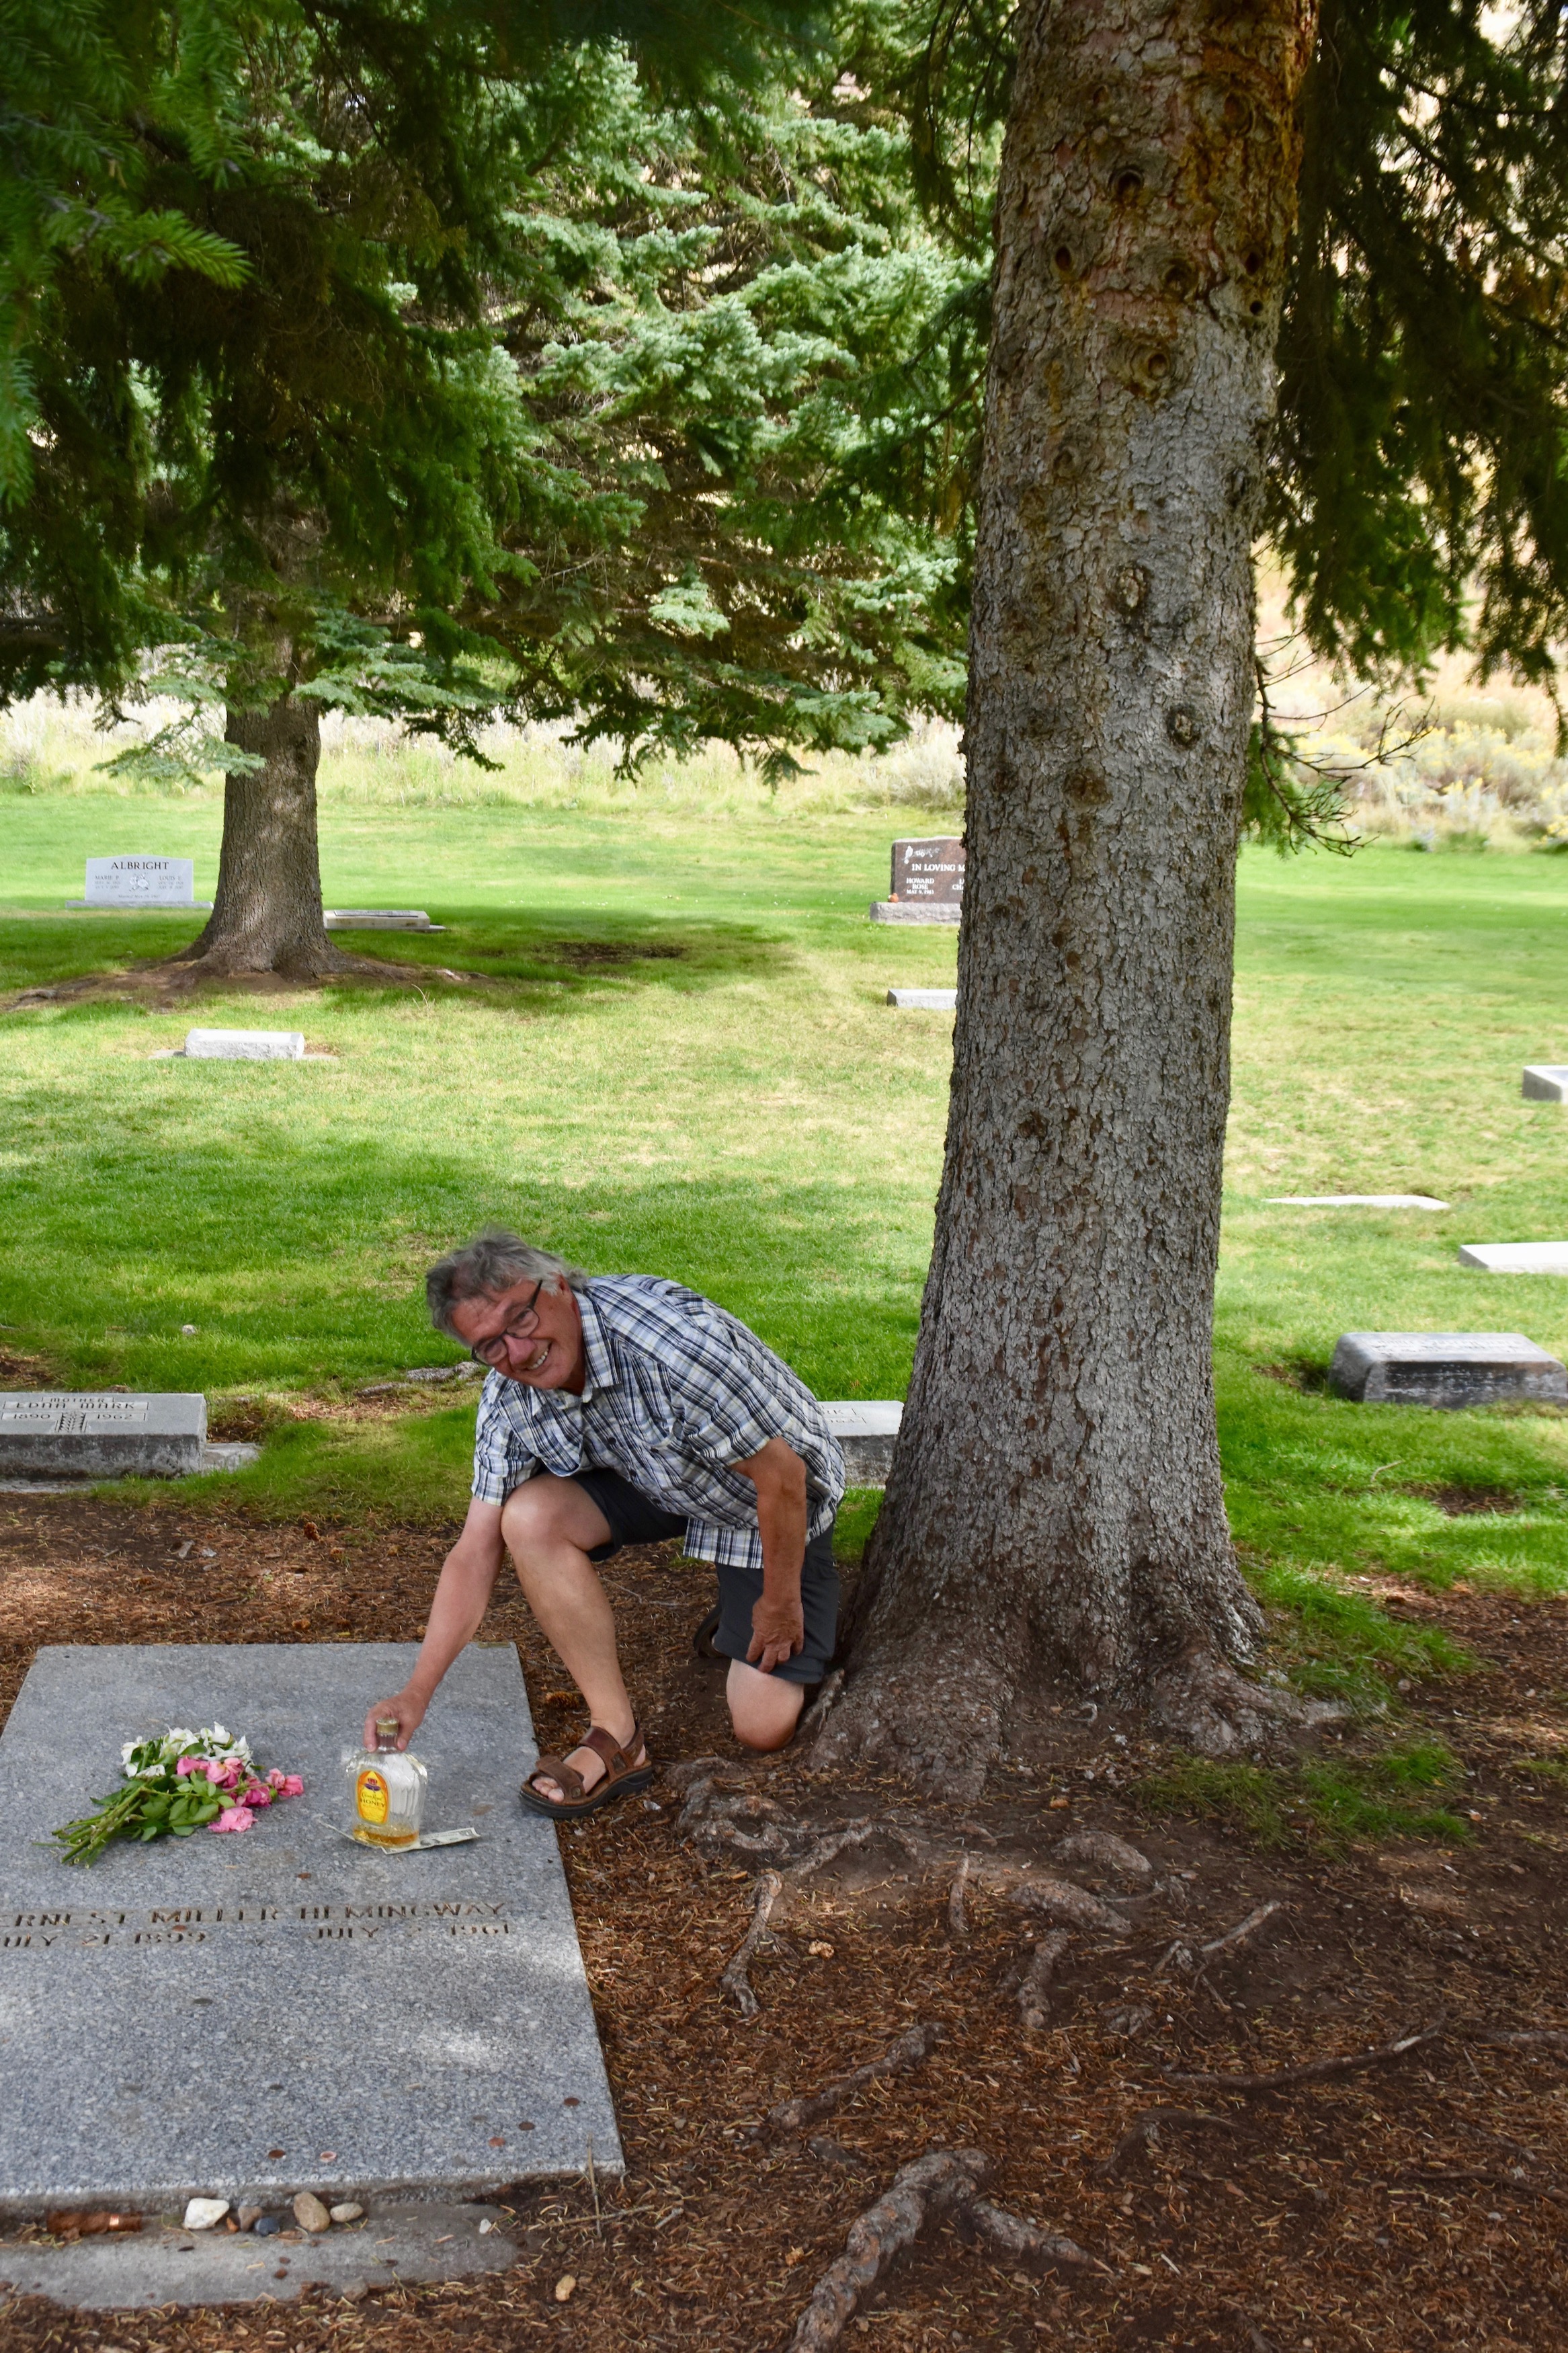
[275,1780]
[187,1765]
[257,1794]
[234,1818]
[215,1771]
[293,1787]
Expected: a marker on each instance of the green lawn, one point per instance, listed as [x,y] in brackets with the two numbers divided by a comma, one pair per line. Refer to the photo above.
[681,1060]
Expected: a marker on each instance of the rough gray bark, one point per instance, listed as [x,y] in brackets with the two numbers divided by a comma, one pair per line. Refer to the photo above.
[266,911]
[1055,1499]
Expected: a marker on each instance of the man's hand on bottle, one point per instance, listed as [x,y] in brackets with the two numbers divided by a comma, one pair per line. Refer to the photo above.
[409,1710]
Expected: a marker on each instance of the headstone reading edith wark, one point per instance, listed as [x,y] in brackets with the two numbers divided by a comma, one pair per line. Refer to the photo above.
[253,2015]
[1445,1369]
[101,1434]
[140,882]
[927,882]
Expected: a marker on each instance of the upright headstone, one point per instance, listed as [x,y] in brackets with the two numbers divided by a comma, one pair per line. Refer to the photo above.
[250,2016]
[927,885]
[1445,1368]
[101,1434]
[140,882]
[865,1429]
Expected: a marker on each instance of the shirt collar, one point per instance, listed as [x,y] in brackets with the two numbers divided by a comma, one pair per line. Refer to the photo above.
[596,1356]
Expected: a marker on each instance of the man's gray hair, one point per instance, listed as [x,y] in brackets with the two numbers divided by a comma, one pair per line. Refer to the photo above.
[485,1267]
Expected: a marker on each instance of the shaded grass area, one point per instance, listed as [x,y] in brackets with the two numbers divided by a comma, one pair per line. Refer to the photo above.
[676,1056]
[1325,1804]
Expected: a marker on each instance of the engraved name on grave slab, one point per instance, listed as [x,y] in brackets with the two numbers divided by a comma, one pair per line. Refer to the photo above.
[283,2009]
[98,1434]
[140,882]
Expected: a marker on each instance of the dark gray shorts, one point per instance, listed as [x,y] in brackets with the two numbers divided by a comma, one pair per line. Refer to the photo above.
[636,1519]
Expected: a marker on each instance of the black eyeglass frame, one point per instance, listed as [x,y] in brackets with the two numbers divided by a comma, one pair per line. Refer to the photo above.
[517,1330]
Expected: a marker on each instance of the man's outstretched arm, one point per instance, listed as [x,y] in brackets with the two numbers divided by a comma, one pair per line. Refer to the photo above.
[456,1612]
[778,1624]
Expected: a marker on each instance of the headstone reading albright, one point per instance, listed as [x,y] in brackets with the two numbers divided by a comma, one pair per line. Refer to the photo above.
[101,1434]
[1445,1368]
[865,1429]
[252,2015]
[140,882]
[927,882]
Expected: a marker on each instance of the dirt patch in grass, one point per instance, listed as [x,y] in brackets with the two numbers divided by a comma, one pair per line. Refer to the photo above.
[1466,1503]
[1418,2203]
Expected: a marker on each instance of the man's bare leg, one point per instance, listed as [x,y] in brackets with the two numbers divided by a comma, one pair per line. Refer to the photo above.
[550,1525]
[764,1709]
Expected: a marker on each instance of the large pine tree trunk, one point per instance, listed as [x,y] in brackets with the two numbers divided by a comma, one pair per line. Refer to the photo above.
[1055,1501]
[267,913]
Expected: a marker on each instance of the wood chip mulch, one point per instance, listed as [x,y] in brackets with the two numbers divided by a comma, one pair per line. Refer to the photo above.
[1419,2202]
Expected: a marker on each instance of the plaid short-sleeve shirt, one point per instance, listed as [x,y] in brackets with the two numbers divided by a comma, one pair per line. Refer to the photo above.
[677,1392]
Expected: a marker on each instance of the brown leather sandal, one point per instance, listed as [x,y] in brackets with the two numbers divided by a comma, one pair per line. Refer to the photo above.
[620,1775]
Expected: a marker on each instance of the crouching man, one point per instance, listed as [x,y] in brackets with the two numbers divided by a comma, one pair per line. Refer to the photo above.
[623,1409]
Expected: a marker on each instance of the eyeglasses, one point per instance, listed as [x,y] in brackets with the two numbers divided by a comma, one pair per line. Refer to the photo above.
[494,1352]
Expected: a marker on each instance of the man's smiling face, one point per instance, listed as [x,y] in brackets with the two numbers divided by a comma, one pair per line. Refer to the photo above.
[549,1354]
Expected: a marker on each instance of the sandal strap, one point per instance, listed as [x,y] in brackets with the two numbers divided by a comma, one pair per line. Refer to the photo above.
[617,1759]
[566,1777]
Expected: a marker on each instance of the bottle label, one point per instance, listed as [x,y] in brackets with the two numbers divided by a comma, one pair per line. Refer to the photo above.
[370,1797]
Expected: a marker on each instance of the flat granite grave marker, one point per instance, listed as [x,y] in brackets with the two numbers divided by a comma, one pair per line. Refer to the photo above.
[865,1429]
[927,885]
[140,882]
[101,1434]
[1445,1369]
[248,2016]
[245,1045]
[1546,1082]
[378,919]
[1354,1201]
[1516,1258]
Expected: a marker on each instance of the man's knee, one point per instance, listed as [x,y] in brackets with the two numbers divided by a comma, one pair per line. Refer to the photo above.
[539,1512]
[764,1710]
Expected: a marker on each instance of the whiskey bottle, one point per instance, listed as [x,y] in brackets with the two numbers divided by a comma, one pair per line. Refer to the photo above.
[388,1786]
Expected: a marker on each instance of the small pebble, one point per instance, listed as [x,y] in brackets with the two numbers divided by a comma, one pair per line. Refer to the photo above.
[188,1331]
[203,2212]
[248,2217]
[565,2288]
[267,2226]
[309,2213]
[348,2212]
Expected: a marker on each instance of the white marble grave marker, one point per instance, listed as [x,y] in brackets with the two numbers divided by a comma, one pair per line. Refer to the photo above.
[1354,1201]
[247,2016]
[865,1429]
[245,1045]
[1516,1258]
[928,1000]
[1546,1082]
[378,919]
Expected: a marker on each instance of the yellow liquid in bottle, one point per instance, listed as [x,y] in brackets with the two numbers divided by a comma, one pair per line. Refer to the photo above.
[389,1799]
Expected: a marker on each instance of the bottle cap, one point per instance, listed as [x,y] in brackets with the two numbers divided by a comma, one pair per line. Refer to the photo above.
[387,1723]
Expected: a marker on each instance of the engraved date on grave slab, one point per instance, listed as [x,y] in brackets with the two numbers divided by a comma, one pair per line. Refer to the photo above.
[89,1930]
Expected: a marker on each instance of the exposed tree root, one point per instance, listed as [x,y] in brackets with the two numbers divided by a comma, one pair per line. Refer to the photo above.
[1213,1709]
[1063,1899]
[1182,1957]
[1010,2235]
[912,2049]
[734,1981]
[957,1919]
[944,2180]
[1152,2123]
[1036,1979]
[1541,2037]
[932,2184]
[1107,1852]
[1315,2071]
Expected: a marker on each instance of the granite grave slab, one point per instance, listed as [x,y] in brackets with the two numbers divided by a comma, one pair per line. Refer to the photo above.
[101,1434]
[1354,1201]
[245,1045]
[140,882]
[1445,1369]
[1516,1258]
[378,919]
[927,1000]
[865,1429]
[927,882]
[248,2016]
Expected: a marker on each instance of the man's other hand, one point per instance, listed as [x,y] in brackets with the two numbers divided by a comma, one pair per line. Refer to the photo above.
[778,1632]
[409,1710]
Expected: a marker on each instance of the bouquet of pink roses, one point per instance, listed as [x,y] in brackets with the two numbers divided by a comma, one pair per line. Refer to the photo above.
[185,1781]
